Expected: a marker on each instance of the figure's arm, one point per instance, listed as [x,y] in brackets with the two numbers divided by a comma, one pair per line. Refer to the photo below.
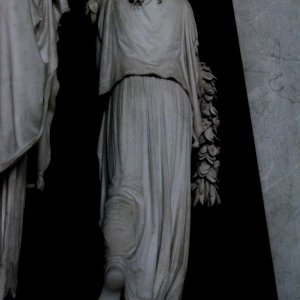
[48,15]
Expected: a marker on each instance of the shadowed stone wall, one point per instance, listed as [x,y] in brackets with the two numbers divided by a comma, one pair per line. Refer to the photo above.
[269,33]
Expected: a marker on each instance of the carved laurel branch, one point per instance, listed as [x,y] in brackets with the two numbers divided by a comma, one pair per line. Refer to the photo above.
[205,179]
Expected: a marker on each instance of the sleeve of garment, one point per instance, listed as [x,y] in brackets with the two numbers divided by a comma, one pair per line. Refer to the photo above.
[102,4]
[46,16]
[36,12]
[193,68]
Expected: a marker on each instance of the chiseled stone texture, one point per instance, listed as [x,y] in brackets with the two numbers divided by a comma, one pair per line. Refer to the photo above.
[269,33]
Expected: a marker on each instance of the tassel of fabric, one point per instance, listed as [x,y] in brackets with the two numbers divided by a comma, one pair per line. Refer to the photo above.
[92,8]
[205,178]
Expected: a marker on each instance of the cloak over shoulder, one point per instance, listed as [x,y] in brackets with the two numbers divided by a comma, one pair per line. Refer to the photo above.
[152,39]
[28,58]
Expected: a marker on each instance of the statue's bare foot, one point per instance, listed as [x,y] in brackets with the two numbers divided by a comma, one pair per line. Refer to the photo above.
[113,286]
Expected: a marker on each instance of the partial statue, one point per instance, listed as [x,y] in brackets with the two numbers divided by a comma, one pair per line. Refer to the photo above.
[28,88]
[160,107]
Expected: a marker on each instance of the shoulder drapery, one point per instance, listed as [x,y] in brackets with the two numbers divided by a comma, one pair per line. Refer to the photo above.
[28,86]
[153,39]
[28,83]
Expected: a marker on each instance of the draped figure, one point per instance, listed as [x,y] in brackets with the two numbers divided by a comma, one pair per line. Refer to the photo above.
[148,65]
[28,88]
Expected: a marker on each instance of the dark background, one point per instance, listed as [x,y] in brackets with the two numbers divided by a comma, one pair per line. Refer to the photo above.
[62,250]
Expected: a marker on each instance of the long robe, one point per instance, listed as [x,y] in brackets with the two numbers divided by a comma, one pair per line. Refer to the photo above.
[148,62]
[28,87]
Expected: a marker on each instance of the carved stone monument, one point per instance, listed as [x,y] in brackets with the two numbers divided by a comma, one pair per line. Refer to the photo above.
[160,105]
[160,108]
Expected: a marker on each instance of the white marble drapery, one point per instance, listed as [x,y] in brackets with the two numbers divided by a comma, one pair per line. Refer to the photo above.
[28,88]
[145,151]
[28,56]
[147,57]
[12,202]
[160,39]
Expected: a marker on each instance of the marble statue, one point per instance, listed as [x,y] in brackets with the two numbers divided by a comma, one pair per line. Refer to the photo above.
[28,87]
[161,104]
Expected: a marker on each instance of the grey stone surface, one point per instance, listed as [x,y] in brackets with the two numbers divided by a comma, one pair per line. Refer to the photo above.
[269,33]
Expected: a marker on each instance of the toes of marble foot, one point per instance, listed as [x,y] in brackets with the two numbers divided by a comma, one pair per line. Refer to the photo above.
[114,279]
[113,285]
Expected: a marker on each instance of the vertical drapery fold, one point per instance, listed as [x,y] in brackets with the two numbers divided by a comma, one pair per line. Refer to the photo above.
[146,148]
[12,202]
